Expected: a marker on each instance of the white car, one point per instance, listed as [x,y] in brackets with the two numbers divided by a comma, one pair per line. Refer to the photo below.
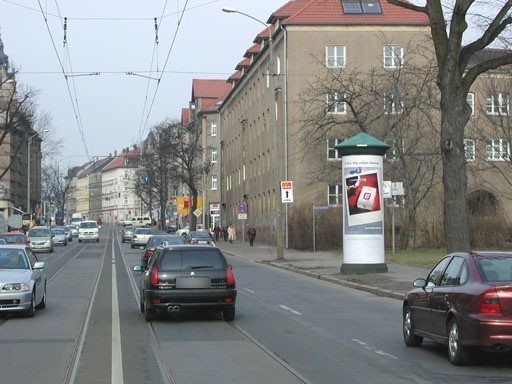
[183,231]
[141,236]
[88,231]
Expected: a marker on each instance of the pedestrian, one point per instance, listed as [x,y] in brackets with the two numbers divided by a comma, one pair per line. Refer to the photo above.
[225,233]
[251,234]
[231,233]
[216,230]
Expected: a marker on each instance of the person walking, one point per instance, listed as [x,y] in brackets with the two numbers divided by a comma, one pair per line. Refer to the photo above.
[251,235]
[216,230]
[231,233]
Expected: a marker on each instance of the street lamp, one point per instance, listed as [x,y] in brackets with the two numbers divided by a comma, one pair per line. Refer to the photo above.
[277,182]
[29,145]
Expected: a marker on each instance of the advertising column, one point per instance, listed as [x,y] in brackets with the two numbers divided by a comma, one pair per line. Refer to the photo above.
[363,207]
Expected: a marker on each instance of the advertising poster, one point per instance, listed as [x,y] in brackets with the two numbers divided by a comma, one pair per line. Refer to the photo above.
[362,183]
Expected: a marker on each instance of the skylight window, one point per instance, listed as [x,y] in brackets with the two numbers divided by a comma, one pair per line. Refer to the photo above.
[361,6]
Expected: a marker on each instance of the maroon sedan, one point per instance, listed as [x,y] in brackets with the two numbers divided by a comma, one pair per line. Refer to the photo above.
[464,303]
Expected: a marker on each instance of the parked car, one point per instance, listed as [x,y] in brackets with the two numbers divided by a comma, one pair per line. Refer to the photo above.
[465,302]
[183,231]
[127,233]
[23,280]
[200,237]
[187,277]
[141,236]
[88,231]
[171,228]
[14,238]
[59,236]
[73,230]
[157,240]
[67,230]
[40,238]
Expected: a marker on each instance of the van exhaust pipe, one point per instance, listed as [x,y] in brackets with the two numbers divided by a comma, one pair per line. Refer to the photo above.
[173,308]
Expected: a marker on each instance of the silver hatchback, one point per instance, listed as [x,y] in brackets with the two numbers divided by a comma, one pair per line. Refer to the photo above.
[141,236]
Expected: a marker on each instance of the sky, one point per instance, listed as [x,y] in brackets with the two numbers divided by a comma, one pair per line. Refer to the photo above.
[79,68]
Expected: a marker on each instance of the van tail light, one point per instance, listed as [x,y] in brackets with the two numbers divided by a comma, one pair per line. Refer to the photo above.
[154,276]
[489,302]
[230,278]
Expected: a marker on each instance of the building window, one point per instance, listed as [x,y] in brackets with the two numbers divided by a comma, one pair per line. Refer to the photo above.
[498,104]
[214,155]
[335,56]
[470,98]
[213,129]
[497,150]
[469,149]
[335,103]
[335,194]
[393,56]
[393,104]
[361,6]
[332,152]
[214,182]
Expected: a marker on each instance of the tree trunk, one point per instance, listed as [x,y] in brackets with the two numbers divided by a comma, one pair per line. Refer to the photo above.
[454,118]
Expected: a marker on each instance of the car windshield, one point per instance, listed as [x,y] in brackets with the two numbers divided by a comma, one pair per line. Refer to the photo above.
[13,259]
[155,241]
[58,231]
[199,234]
[144,231]
[39,232]
[91,224]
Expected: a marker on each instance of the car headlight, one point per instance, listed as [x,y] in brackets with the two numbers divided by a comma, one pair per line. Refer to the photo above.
[15,287]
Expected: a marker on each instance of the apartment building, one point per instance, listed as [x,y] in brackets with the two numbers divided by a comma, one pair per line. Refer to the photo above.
[207,97]
[262,119]
[19,144]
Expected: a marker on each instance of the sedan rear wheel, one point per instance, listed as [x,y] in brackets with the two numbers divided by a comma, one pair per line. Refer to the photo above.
[458,354]
[229,314]
[411,340]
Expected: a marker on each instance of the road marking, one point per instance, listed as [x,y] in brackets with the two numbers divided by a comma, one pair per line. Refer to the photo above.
[117,356]
[248,290]
[290,310]
[373,349]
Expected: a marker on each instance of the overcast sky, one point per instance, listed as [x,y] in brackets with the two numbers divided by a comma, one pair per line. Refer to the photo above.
[98,114]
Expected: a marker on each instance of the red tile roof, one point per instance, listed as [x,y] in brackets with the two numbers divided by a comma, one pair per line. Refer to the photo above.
[119,161]
[209,88]
[331,12]
[185,116]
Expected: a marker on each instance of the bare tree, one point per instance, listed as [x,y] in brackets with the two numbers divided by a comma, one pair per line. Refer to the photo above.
[449,27]
[187,153]
[156,168]
[399,106]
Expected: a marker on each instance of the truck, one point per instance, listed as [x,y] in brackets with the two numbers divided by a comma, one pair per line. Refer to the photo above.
[77,218]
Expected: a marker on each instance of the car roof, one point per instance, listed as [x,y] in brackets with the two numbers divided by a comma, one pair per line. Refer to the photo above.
[188,247]
[12,233]
[13,246]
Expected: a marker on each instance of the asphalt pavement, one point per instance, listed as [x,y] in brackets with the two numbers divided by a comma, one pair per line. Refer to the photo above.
[326,266]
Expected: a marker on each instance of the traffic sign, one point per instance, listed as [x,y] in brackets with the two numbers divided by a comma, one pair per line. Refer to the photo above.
[320,207]
[241,208]
[287,191]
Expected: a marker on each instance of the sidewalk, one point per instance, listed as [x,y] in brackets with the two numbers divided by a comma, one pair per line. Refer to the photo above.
[326,266]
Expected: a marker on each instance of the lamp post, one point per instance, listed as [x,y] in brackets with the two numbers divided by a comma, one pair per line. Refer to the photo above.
[275,151]
[29,146]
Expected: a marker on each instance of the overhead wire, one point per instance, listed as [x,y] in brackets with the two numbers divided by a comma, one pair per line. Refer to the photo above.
[180,19]
[64,73]
[155,53]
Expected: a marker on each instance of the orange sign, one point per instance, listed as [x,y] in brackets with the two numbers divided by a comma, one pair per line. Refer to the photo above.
[286,185]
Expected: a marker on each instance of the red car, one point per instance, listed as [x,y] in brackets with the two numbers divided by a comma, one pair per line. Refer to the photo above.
[465,303]
[15,238]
